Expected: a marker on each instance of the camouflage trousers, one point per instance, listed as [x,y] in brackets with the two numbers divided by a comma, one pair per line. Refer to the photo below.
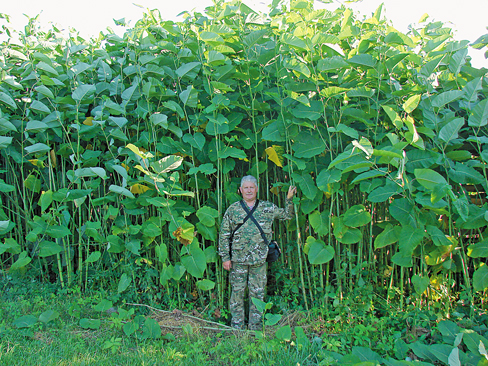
[253,277]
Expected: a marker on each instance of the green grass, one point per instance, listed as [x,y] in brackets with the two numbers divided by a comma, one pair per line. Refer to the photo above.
[345,334]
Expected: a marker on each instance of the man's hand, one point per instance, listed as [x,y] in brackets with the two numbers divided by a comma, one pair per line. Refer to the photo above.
[227,265]
[291,192]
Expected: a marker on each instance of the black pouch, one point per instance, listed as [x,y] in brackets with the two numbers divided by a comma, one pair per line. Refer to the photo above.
[274,251]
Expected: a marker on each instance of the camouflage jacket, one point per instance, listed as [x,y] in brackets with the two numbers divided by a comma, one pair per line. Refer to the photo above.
[248,246]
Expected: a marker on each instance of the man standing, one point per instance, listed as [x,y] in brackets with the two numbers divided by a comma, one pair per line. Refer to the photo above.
[245,257]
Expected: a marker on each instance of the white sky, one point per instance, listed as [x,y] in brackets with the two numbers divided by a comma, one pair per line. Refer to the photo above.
[468,17]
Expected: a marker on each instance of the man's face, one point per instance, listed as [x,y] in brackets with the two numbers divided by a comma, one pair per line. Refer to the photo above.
[249,191]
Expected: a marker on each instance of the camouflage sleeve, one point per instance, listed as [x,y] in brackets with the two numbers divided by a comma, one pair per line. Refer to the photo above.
[285,213]
[225,232]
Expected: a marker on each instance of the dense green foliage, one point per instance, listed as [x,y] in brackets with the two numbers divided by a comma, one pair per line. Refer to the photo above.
[44,324]
[119,156]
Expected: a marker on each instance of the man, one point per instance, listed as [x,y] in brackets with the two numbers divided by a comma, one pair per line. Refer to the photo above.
[245,257]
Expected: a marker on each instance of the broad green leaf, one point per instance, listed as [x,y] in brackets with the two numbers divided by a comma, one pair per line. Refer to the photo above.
[450,131]
[22,261]
[363,60]
[120,190]
[190,69]
[479,115]
[446,97]
[47,68]
[319,222]
[206,169]
[10,246]
[189,97]
[151,329]
[5,141]
[345,234]
[7,99]
[93,324]
[388,236]
[479,250]
[130,328]
[357,216]
[295,42]
[471,90]
[83,92]
[331,63]
[124,283]
[44,90]
[429,178]
[131,93]
[48,316]
[103,305]
[464,174]
[420,283]
[297,66]
[37,148]
[118,121]
[36,126]
[306,184]
[319,253]
[197,140]
[58,231]
[205,285]
[272,319]
[25,321]
[207,215]
[453,358]
[381,194]
[40,107]
[195,263]
[93,257]
[209,233]
[150,229]
[399,38]
[457,61]
[402,210]
[284,333]
[91,172]
[472,340]
[366,355]
[161,252]
[480,279]
[211,37]
[139,152]
[442,352]
[437,236]
[33,183]
[410,238]
[48,248]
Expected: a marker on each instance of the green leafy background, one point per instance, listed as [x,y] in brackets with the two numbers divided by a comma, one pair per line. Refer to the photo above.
[119,155]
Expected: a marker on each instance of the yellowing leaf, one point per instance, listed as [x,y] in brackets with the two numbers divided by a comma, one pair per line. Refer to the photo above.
[88,121]
[138,167]
[125,166]
[184,234]
[139,151]
[36,162]
[53,158]
[275,154]
[139,188]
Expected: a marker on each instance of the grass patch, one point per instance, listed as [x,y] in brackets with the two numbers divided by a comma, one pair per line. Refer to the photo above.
[42,325]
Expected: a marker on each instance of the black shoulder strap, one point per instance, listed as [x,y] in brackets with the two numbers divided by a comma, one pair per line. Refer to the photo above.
[249,213]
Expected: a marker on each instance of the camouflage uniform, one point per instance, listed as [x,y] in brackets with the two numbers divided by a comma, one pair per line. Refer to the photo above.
[248,255]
